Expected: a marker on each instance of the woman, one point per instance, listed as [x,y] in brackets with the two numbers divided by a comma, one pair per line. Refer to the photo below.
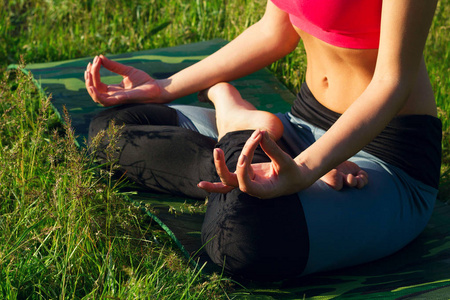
[365,111]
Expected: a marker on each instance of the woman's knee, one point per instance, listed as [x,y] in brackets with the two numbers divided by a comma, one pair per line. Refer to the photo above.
[258,239]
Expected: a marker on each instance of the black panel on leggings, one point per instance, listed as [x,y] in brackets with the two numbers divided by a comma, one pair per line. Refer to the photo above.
[258,239]
[155,152]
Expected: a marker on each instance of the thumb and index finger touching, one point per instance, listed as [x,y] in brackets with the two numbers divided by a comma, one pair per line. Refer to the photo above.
[244,171]
[96,88]
[273,151]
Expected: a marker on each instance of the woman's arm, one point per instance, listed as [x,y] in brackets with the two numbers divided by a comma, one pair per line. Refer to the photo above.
[266,41]
[258,46]
[404,29]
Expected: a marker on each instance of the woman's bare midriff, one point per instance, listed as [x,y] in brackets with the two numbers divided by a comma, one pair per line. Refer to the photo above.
[338,76]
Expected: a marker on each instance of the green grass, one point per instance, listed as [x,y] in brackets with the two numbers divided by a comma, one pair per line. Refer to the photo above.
[65,230]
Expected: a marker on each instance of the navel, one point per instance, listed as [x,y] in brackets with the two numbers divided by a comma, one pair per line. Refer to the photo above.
[325,82]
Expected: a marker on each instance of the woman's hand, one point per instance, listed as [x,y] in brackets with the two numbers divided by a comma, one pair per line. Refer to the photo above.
[346,174]
[280,176]
[136,86]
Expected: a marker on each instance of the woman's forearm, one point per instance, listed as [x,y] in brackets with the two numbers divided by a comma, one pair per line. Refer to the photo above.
[357,127]
[260,45]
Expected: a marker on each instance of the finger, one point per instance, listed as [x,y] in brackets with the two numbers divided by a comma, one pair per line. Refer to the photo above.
[251,144]
[215,187]
[88,68]
[246,184]
[225,175]
[93,90]
[115,67]
[249,149]
[87,80]
[365,175]
[366,179]
[105,99]
[90,88]
[95,95]
[334,179]
[360,183]
[350,180]
[363,179]
[95,72]
[85,73]
[278,156]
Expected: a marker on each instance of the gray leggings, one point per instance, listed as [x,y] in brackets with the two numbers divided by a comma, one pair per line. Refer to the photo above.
[353,226]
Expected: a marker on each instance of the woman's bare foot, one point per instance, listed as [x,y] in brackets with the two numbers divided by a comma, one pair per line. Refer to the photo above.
[346,174]
[234,113]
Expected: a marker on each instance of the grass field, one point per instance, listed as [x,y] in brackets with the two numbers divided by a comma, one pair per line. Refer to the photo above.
[65,230]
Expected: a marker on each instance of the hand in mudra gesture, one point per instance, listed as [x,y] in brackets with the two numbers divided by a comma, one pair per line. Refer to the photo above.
[136,86]
[262,180]
[280,176]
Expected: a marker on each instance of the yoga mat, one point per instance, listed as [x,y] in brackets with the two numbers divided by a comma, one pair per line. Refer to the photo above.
[419,271]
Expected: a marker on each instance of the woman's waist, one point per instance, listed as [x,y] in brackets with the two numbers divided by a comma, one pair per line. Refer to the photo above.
[337,86]
[334,92]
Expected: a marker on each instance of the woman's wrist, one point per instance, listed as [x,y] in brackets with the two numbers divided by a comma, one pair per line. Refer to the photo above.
[163,95]
[311,171]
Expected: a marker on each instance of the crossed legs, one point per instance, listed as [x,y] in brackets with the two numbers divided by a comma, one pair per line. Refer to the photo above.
[233,113]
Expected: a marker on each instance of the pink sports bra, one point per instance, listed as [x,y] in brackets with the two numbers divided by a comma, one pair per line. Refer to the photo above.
[343,23]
